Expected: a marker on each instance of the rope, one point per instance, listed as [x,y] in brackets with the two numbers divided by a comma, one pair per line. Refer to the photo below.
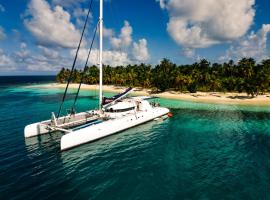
[75,59]
[84,70]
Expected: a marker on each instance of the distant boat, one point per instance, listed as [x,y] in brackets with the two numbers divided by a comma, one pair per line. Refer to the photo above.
[115,114]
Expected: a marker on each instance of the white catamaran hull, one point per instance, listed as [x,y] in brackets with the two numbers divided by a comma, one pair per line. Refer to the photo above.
[41,128]
[112,126]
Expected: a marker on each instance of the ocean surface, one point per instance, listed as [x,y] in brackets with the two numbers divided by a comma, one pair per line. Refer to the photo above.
[205,151]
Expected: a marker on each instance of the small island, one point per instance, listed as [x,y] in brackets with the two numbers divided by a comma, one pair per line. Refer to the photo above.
[244,82]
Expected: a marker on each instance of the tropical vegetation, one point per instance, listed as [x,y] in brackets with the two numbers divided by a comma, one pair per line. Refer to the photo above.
[244,76]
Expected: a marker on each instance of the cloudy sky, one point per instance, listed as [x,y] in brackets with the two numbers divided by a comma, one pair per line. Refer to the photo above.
[40,36]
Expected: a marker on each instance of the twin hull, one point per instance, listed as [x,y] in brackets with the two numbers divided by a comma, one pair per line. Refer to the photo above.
[109,127]
[100,130]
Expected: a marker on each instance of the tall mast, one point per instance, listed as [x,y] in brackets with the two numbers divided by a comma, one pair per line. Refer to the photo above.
[100,52]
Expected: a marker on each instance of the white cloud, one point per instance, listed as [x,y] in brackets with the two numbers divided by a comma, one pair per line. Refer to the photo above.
[23,45]
[115,57]
[79,12]
[112,58]
[188,52]
[23,53]
[6,62]
[51,27]
[54,32]
[49,53]
[202,23]
[108,32]
[253,45]
[2,34]
[42,60]
[125,38]
[2,8]
[162,3]
[47,59]
[140,50]
[80,15]
[67,3]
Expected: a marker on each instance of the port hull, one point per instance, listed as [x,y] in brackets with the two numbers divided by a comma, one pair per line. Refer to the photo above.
[63,124]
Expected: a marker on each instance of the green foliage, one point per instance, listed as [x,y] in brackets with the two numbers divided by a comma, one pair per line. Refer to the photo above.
[245,76]
[164,75]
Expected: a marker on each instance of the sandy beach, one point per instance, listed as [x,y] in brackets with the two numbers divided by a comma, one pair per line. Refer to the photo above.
[206,97]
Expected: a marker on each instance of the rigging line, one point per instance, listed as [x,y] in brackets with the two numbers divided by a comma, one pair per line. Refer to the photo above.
[85,67]
[75,59]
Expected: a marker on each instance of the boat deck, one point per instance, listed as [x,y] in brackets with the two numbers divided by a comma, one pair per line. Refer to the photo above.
[72,121]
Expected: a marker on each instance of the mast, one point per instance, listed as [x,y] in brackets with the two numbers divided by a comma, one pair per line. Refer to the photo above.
[100,52]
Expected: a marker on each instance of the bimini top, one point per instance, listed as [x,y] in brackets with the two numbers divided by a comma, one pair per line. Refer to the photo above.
[108,101]
[123,106]
[140,98]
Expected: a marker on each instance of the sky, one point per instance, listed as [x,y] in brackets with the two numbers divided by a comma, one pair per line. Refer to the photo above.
[39,37]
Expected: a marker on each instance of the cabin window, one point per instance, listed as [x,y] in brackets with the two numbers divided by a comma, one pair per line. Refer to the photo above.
[119,110]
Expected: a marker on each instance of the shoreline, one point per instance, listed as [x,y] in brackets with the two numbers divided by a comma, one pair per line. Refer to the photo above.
[200,97]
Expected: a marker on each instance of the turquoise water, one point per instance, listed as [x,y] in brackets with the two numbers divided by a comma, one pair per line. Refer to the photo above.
[204,152]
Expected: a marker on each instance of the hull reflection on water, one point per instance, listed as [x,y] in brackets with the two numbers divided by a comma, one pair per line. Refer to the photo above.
[48,141]
[132,138]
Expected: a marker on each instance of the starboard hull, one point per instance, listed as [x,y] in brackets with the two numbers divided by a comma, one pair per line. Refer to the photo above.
[109,127]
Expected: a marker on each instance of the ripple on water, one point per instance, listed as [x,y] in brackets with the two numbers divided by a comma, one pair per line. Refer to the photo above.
[204,152]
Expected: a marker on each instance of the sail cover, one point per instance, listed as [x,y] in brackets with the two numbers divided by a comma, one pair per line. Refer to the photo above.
[106,101]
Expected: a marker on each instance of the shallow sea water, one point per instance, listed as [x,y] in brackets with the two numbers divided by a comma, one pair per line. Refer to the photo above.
[205,151]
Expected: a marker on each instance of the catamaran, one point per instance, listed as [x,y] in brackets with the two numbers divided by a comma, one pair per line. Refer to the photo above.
[114,114]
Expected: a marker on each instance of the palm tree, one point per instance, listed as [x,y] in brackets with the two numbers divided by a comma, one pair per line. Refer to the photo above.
[245,76]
